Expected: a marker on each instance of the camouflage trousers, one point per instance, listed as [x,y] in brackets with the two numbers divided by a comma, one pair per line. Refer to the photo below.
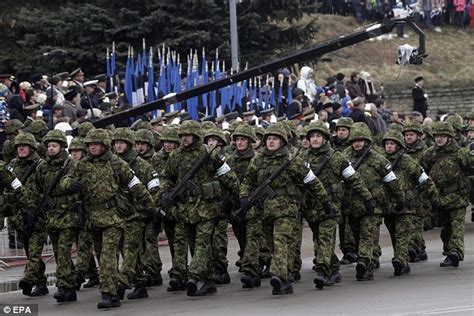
[131,246]
[62,241]
[265,256]
[239,229]
[281,233]
[35,267]
[219,245]
[324,239]
[366,230]
[106,244]
[296,263]
[417,242]
[250,256]
[400,229]
[452,230]
[86,267]
[199,237]
[377,249]
[346,237]
[150,259]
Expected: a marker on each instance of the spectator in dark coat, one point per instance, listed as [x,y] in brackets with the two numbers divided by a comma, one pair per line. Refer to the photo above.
[340,86]
[353,86]
[358,114]
[17,111]
[419,97]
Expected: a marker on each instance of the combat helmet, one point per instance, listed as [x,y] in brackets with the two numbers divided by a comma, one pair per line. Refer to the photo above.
[12,126]
[395,136]
[443,128]
[77,144]
[84,129]
[318,126]
[413,127]
[245,130]
[395,127]
[278,130]
[190,127]
[360,131]
[207,125]
[26,139]
[170,134]
[215,133]
[38,127]
[56,136]
[98,135]
[346,122]
[124,134]
[455,121]
[145,136]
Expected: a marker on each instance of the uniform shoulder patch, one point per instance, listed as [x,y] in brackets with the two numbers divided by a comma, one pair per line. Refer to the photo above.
[388,166]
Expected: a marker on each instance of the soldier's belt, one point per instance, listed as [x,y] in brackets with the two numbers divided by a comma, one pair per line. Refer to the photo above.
[107,205]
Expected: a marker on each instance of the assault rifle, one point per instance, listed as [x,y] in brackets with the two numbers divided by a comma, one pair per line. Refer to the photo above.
[264,191]
[186,184]
[361,159]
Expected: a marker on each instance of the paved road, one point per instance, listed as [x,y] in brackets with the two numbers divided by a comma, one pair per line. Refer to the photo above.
[428,290]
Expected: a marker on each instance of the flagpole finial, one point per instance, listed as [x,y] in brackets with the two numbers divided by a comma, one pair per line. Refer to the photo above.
[203,53]
[246,65]
[113,47]
[132,52]
[144,45]
[217,54]
[107,53]
[223,66]
[129,52]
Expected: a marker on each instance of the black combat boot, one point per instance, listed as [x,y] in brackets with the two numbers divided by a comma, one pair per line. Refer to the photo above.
[200,288]
[349,257]
[296,276]
[105,301]
[249,282]
[406,269]
[265,272]
[423,256]
[455,258]
[40,290]
[157,280]
[121,288]
[335,278]
[361,269]
[280,287]
[413,255]
[26,286]
[320,280]
[397,267]
[115,301]
[221,276]
[176,285]
[65,295]
[138,293]
[92,282]
[79,280]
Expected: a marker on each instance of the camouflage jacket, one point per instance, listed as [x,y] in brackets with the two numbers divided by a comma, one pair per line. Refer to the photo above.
[378,177]
[450,167]
[11,189]
[148,176]
[159,160]
[65,212]
[336,173]
[417,150]
[462,140]
[340,144]
[148,156]
[20,166]
[413,181]
[103,178]
[287,185]
[200,203]
[8,150]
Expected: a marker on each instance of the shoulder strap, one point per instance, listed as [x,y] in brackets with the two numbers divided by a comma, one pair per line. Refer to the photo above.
[324,163]
[30,170]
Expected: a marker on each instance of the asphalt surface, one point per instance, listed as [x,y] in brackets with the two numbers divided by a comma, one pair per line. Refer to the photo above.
[428,290]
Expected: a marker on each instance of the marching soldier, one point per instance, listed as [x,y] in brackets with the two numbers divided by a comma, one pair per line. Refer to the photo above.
[196,210]
[334,170]
[450,166]
[365,219]
[123,142]
[281,212]
[59,210]
[413,181]
[100,177]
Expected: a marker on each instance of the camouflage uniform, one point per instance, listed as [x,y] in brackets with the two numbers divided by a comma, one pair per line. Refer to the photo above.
[135,217]
[249,231]
[365,222]
[39,128]
[334,170]
[62,220]
[413,181]
[12,190]
[150,259]
[103,177]
[12,128]
[195,212]
[346,237]
[35,237]
[281,213]
[450,166]
[456,122]
[425,216]
[86,267]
